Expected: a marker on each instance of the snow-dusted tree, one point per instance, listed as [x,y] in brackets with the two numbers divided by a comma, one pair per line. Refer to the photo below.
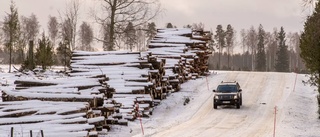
[118,13]
[11,29]
[220,39]
[86,37]
[282,64]
[261,54]
[53,29]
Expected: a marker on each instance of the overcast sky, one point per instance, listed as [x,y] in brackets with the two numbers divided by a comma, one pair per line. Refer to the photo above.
[239,13]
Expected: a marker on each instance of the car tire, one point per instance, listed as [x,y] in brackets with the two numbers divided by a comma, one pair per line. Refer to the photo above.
[238,106]
[240,101]
[215,106]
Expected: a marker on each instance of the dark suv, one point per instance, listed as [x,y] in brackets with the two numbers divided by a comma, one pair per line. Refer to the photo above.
[227,93]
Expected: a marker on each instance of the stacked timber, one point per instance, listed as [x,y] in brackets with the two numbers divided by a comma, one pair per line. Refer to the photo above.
[186,53]
[65,89]
[133,79]
[58,92]
[117,86]
[53,118]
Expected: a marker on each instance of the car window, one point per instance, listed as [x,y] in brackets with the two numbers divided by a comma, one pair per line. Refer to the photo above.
[227,88]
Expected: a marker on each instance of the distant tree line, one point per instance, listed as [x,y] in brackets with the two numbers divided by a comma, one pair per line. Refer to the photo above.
[261,50]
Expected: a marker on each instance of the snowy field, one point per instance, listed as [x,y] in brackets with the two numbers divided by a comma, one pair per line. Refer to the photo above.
[262,92]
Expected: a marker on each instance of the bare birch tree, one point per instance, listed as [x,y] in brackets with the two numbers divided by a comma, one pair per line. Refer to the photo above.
[243,36]
[70,19]
[252,42]
[118,14]
[29,30]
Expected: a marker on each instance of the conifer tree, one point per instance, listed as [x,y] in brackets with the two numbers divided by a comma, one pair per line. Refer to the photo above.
[282,62]
[310,48]
[261,54]
[64,53]
[220,39]
[11,27]
[44,53]
[169,25]
[151,31]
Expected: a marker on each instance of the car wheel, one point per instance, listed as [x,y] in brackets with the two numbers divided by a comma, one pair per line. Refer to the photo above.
[215,106]
[240,101]
[238,105]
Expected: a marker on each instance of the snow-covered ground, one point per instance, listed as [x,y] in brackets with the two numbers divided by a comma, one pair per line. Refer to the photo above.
[262,92]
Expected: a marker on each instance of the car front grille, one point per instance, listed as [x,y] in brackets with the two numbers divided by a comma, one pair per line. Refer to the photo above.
[226,97]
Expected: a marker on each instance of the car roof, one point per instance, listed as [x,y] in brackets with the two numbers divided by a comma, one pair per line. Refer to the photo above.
[229,83]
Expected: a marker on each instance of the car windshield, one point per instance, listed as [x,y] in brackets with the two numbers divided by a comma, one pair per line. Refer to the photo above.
[227,88]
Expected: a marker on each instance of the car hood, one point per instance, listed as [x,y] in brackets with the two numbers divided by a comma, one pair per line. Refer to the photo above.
[220,94]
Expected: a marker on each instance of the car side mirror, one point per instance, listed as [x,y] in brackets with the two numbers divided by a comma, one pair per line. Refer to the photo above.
[240,90]
[214,90]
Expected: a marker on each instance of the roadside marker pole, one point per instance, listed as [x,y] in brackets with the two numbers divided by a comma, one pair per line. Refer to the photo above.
[207,83]
[275,121]
[140,118]
[295,81]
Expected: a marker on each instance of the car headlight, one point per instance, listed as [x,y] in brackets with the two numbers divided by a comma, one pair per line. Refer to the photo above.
[235,97]
[216,97]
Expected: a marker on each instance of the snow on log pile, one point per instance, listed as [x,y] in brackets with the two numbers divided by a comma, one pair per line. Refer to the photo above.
[41,99]
[132,78]
[186,53]
[59,89]
[53,118]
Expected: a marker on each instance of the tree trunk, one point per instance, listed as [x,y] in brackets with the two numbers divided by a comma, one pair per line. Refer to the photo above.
[112,25]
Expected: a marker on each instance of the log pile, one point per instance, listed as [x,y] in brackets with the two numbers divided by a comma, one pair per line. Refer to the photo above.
[119,86]
[51,117]
[133,79]
[59,92]
[186,53]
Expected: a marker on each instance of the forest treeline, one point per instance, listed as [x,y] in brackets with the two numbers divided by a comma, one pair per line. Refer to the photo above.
[255,49]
